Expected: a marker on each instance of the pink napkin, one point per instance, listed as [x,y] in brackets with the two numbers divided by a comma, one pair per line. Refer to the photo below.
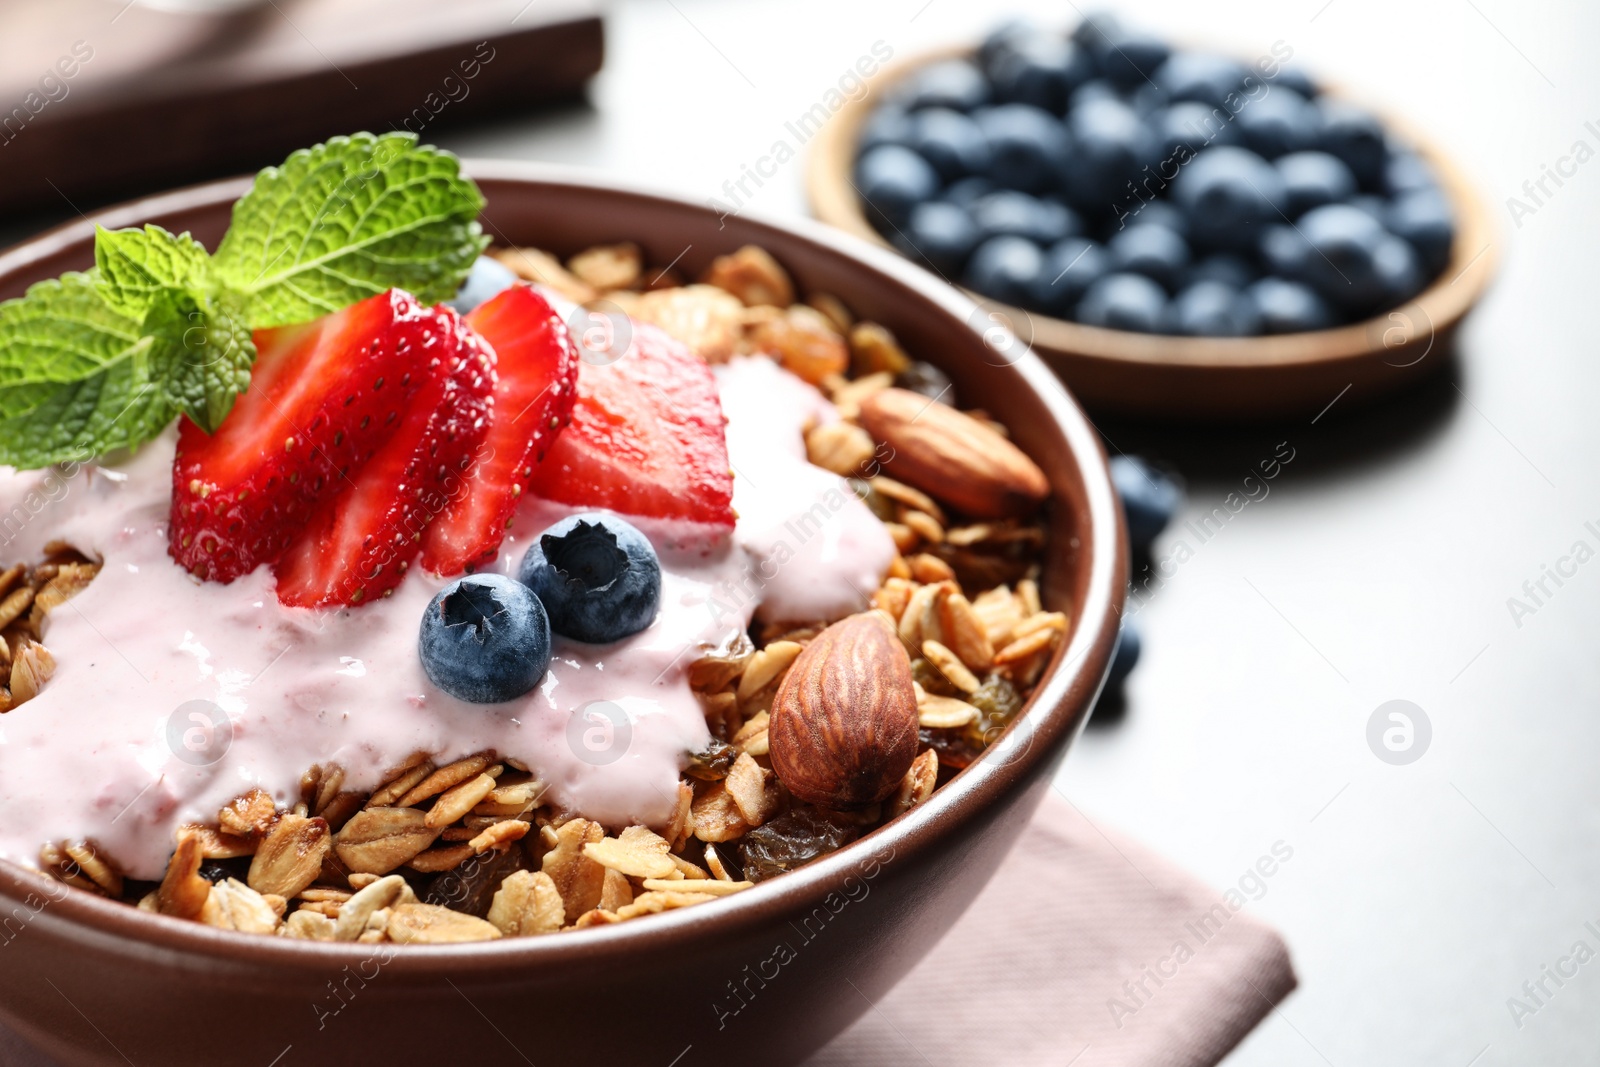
[1086,950]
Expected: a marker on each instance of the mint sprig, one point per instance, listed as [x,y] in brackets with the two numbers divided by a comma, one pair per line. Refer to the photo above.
[104,360]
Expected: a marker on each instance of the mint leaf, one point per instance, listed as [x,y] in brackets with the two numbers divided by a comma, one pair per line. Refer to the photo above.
[134,266]
[201,354]
[346,220]
[75,376]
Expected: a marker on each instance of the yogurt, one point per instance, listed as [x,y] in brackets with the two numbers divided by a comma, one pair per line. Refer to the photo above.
[172,696]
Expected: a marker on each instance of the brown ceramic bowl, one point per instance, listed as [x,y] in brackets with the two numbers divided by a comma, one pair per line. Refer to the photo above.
[1210,378]
[772,973]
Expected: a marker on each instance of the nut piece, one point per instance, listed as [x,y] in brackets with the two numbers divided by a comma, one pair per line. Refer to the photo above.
[752,275]
[290,857]
[527,903]
[707,319]
[844,723]
[233,905]
[952,456]
[608,266]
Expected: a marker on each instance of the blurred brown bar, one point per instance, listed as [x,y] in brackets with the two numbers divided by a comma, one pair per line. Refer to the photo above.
[103,99]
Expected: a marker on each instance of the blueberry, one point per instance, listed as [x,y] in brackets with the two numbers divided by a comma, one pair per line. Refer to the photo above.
[939,234]
[1096,89]
[951,142]
[1283,250]
[1041,71]
[1189,126]
[1129,58]
[1150,498]
[597,575]
[1212,309]
[485,639]
[1289,307]
[1374,207]
[1154,251]
[1342,264]
[965,191]
[1296,79]
[1282,121]
[1206,78]
[1044,222]
[1155,213]
[1231,195]
[1424,218]
[1026,146]
[1110,143]
[1407,172]
[1222,267]
[1126,657]
[954,84]
[486,280]
[892,179]
[1124,302]
[1095,26]
[1004,37]
[1006,268]
[1398,272]
[1069,268]
[1148,100]
[1352,134]
[1311,179]
[889,124]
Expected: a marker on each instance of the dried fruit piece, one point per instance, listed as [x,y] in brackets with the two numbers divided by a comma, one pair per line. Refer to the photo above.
[792,840]
[844,723]
[804,342]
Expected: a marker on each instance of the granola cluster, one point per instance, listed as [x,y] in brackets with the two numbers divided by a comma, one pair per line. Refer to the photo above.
[476,849]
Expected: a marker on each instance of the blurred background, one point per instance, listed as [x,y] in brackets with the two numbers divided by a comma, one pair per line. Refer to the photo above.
[1420,898]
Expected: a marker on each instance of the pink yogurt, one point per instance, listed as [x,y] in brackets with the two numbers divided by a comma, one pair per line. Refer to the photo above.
[104,752]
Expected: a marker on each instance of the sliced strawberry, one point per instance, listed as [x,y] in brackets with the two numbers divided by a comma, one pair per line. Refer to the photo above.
[648,437]
[323,397]
[537,364]
[359,543]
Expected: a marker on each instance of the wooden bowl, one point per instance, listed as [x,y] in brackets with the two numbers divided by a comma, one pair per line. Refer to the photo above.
[1205,378]
[98,983]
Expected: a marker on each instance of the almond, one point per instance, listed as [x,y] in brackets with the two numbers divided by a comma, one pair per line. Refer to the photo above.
[952,456]
[843,729]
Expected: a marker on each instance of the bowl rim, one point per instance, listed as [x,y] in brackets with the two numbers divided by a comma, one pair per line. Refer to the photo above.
[1078,668]
[1442,303]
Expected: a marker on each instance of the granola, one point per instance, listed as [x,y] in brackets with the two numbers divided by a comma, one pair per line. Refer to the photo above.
[478,848]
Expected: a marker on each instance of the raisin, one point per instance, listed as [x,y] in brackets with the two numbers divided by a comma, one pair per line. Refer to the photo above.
[792,840]
[998,702]
[928,380]
[712,763]
[470,888]
[931,679]
[954,747]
